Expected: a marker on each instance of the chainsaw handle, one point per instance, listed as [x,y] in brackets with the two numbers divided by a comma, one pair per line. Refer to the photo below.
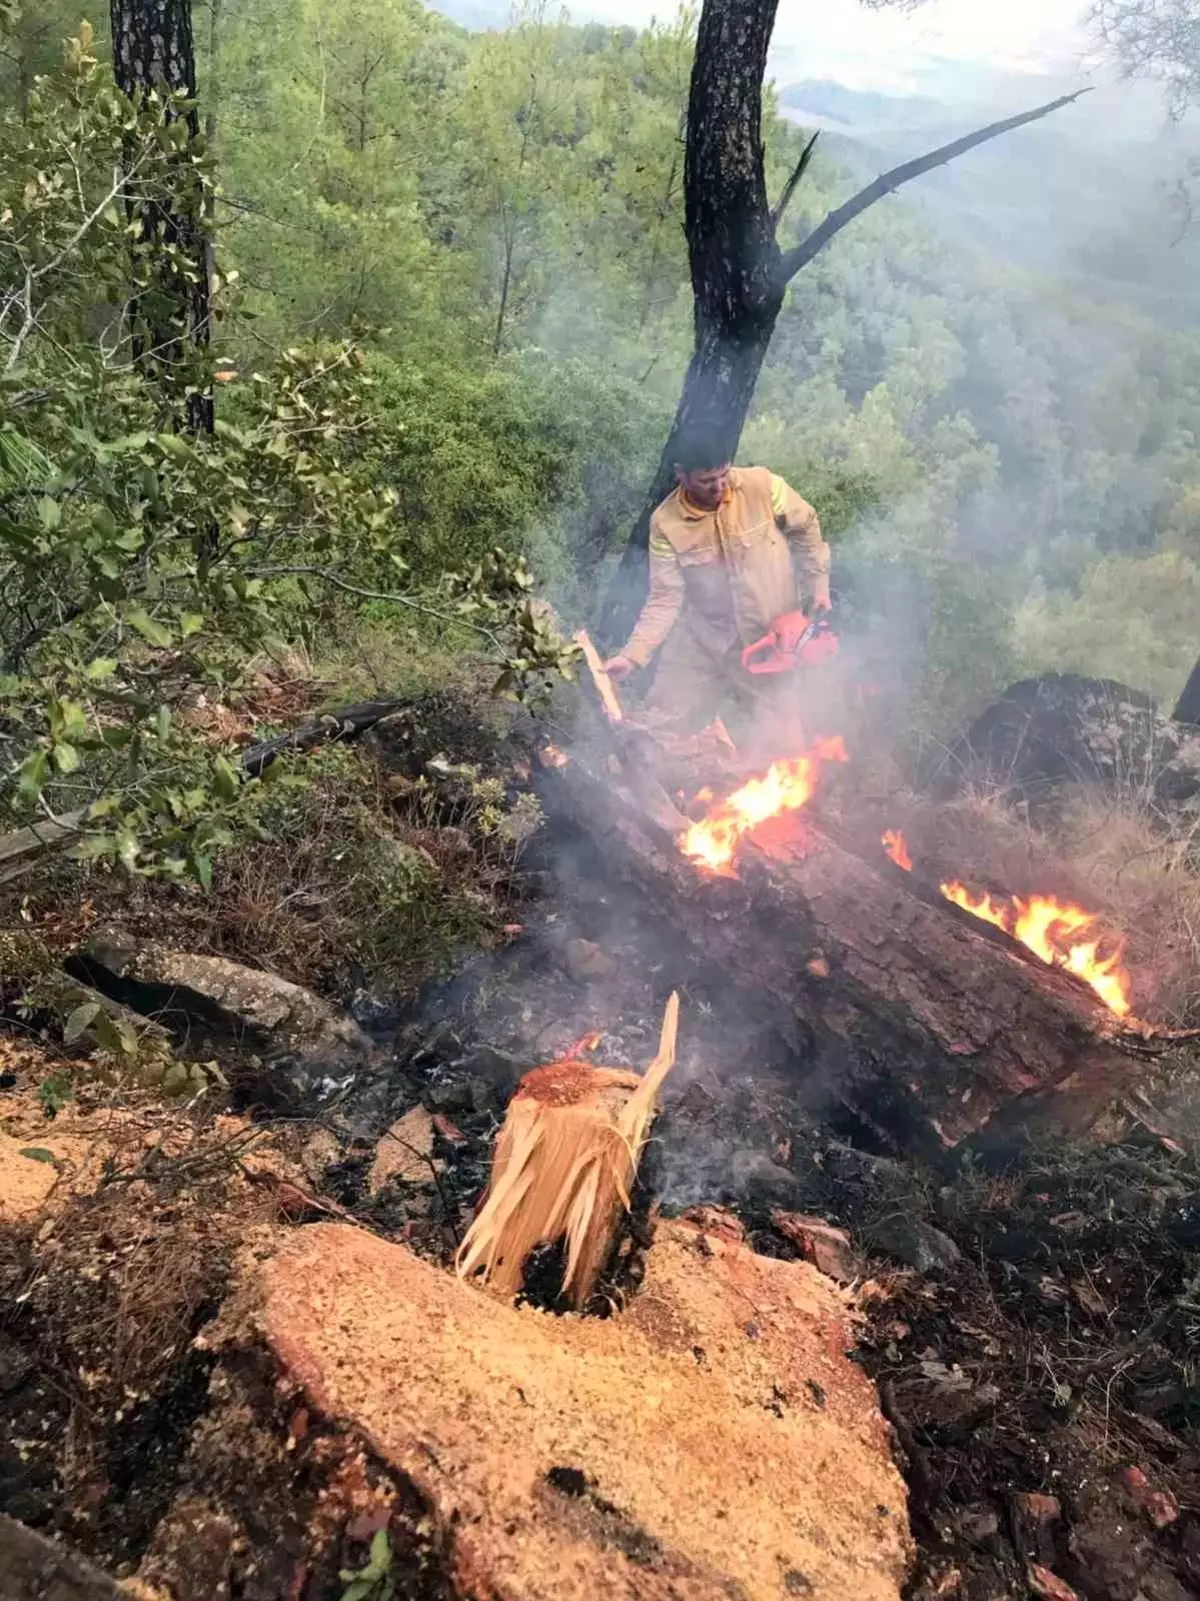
[765,656]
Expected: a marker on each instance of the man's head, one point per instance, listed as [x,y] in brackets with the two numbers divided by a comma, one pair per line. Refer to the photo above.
[702,472]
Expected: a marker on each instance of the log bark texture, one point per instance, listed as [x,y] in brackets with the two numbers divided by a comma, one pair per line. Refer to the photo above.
[915,1016]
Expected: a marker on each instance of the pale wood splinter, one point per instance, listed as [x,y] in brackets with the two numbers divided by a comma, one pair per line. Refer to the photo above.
[564,1166]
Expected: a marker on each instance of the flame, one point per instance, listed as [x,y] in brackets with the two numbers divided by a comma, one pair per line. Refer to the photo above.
[894,844]
[582,1047]
[551,756]
[786,786]
[1046,926]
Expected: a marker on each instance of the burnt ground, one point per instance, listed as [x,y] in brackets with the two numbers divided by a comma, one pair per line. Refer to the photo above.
[1032,1319]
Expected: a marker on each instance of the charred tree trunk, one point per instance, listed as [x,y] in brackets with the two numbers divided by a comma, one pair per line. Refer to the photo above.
[739,271]
[926,1024]
[1188,708]
[153,52]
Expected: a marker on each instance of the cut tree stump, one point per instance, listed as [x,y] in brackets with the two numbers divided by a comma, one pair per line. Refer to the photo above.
[564,1166]
[909,1011]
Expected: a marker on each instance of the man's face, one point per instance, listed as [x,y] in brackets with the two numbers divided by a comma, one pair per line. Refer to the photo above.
[706,487]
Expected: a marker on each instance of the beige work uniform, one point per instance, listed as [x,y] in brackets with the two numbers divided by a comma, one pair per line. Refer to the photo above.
[718,580]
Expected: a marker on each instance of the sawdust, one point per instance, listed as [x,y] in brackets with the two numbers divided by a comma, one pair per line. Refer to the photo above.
[25,1181]
[714,1441]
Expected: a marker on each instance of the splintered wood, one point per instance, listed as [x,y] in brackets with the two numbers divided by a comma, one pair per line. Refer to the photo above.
[603,683]
[564,1166]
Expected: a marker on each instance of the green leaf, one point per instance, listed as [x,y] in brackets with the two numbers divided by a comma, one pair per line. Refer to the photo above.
[80,1020]
[34,771]
[101,669]
[190,622]
[93,846]
[65,757]
[38,1153]
[151,630]
[49,513]
[227,778]
[173,445]
[162,722]
[202,867]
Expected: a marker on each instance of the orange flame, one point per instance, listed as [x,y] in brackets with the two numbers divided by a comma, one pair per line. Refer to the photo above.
[581,1047]
[896,847]
[1046,926]
[786,786]
[551,756]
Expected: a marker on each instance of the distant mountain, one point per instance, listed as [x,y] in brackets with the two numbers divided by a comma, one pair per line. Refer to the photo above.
[1067,196]
[478,15]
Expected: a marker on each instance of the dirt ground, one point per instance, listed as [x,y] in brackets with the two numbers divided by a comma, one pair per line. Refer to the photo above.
[1032,1323]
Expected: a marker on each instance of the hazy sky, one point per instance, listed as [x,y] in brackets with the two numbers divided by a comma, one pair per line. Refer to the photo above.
[885,49]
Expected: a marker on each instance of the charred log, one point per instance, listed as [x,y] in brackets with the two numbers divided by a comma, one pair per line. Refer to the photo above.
[925,1026]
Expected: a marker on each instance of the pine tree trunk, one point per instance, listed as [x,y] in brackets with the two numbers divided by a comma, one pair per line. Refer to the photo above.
[739,273]
[153,51]
[736,267]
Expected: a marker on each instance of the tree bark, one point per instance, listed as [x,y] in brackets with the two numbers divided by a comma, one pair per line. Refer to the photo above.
[926,1024]
[1187,709]
[153,50]
[739,273]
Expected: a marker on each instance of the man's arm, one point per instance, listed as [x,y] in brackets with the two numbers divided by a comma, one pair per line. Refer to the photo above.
[801,528]
[660,612]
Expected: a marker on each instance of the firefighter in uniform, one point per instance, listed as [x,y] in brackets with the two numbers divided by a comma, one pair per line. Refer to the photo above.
[734,551]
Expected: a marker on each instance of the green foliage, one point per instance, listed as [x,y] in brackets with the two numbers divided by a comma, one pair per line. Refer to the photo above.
[374,1581]
[1134,619]
[139,563]
[56,1091]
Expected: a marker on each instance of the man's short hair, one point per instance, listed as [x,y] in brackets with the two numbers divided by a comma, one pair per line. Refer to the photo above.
[698,453]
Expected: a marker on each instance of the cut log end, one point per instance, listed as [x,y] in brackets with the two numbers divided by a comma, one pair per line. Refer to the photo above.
[563,1169]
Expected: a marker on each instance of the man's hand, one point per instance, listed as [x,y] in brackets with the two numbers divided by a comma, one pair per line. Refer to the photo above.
[619,666]
[821,600]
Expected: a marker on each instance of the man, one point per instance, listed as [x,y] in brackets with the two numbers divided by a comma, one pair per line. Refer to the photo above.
[733,553]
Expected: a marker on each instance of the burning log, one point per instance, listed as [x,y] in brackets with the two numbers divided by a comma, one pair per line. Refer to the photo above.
[926,1022]
[564,1166]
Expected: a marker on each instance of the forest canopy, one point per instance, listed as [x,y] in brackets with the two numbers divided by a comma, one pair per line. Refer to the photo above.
[463,253]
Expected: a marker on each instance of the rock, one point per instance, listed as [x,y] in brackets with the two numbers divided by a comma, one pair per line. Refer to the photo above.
[978,1524]
[829,1249]
[453,1095]
[587,963]
[914,1242]
[500,1069]
[1159,1507]
[33,1568]
[259,1008]
[1063,729]
[321,1150]
[1114,1544]
[16,1364]
[527,1437]
[1033,1517]
[405,1153]
[1048,1586]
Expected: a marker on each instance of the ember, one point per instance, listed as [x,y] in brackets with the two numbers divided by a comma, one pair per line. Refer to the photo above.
[551,756]
[1046,927]
[894,844]
[785,787]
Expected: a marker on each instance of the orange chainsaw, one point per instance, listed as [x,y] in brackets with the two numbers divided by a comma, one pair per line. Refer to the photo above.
[794,641]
